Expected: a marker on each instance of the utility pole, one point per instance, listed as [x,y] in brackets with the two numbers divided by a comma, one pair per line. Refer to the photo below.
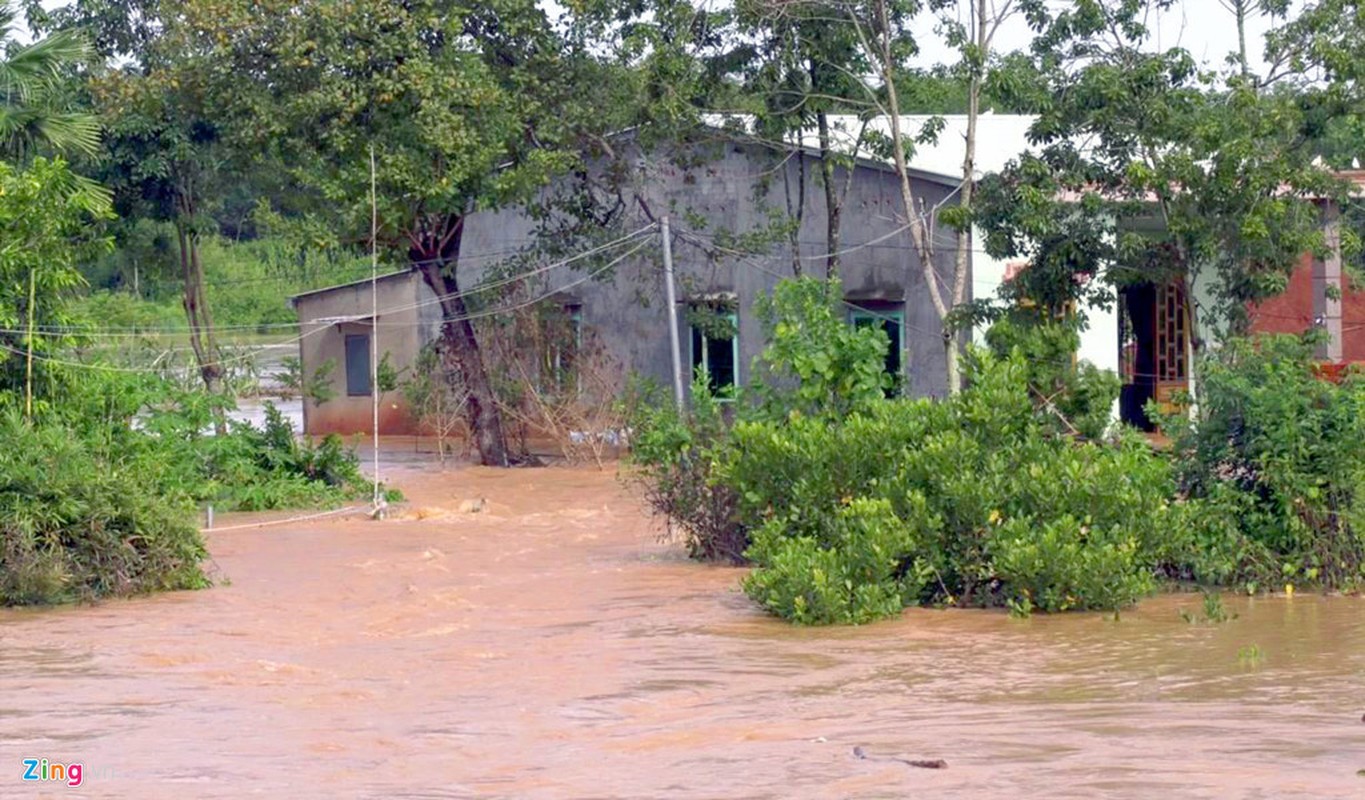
[672,300]
[28,369]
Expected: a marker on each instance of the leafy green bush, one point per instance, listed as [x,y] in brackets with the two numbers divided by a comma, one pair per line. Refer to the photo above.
[74,525]
[249,468]
[859,505]
[815,362]
[1273,468]
[1075,396]
[674,457]
[1004,511]
[861,568]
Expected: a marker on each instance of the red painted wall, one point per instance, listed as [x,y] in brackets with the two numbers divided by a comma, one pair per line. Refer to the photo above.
[1292,312]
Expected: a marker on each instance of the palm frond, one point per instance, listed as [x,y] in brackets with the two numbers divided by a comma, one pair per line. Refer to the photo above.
[69,132]
[37,66]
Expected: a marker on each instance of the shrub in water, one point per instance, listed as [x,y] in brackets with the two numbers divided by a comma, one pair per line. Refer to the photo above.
[674,457]
[1273,468]
[992,508]
[75,526]
[860,568]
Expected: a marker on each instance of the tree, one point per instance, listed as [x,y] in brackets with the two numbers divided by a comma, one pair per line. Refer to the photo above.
[163,151]
[464,108]
[800,68]
[1224,166]
[164,158]
[881,27]
[47,224]
[35,113]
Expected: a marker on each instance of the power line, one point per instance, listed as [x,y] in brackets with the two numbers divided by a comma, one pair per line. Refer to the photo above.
[137,332]
[471,316]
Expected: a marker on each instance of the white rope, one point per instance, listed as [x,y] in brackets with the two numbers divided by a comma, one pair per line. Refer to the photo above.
[304,518]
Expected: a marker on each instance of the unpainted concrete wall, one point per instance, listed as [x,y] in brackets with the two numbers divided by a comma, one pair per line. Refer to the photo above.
[403,328]
[725,189]
[739,189]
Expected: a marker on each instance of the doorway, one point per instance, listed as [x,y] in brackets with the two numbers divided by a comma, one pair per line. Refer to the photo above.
[1154,349]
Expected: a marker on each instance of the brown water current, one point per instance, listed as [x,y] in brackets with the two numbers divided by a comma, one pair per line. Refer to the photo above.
[552,647]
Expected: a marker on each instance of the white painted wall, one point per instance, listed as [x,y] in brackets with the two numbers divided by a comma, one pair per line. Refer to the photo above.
[1000,138]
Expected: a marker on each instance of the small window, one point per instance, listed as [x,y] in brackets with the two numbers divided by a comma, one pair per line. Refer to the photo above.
[358,365]
[890,323]
[563,332]
[715,345]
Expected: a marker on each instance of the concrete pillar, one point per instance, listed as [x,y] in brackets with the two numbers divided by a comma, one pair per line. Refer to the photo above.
[1327,286]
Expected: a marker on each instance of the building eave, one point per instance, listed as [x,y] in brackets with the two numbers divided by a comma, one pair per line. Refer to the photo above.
[294,299]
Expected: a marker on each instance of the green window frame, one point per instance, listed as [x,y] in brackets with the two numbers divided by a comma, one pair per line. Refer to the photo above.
[720,356]
[892,323]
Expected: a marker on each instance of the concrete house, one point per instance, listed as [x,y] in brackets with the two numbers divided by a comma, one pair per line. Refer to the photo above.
[720,194]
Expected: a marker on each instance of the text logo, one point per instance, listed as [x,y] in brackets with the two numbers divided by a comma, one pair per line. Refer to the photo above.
[38,769]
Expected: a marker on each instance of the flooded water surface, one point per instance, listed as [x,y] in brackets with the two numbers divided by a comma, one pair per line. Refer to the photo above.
[551,647]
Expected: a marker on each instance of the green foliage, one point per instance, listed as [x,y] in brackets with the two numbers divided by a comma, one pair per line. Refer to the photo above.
[317,387]
[1273,468]
[48,217]
[248,283]
[674,456]
[815,362]
[860,569]
[1004,512]
[36,112]
[1075,398]
[1225,165]
[249,468]
[77,524]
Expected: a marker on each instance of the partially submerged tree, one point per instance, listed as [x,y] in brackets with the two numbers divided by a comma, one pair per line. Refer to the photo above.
[466,108]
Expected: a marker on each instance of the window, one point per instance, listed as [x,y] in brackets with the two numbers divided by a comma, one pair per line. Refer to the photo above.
[892,324]
[563,332]
[715,345]
[358,365]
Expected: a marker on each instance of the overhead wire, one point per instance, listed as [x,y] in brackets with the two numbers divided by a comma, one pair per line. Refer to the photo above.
[134,332]
[481,314]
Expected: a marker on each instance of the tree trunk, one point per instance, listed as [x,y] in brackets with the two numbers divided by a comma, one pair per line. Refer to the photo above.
[195,300]
[436,254]
[962,263]
[921,227]
[834,202]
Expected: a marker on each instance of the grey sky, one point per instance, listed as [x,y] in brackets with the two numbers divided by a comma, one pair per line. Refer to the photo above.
[1203,27]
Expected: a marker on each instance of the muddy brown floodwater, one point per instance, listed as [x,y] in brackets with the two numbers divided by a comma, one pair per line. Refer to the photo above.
[551,647]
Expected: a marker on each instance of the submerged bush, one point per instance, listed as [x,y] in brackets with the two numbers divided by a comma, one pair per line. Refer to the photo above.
[674,457]
[815,363]
[863,567]
[1273,469]
[993,507]
[854,506]
[75,526]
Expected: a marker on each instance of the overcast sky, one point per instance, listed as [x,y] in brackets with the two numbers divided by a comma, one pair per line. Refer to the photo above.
[1204,27]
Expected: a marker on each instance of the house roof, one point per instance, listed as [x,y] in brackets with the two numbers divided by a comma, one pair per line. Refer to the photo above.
[920,168]
[294,299]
